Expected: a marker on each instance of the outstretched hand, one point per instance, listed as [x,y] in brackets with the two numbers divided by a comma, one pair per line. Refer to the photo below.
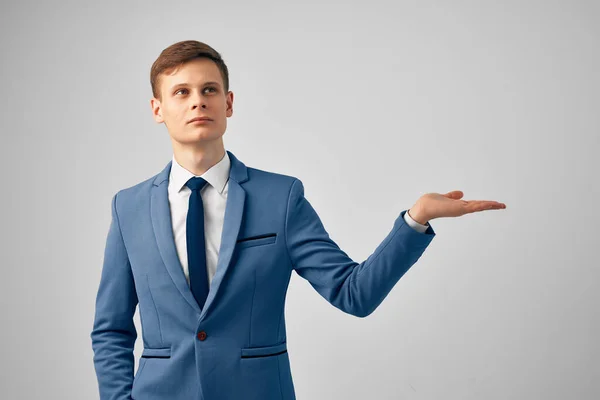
[435,205]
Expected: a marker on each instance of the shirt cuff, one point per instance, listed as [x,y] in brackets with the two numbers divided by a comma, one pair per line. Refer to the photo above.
[414,224]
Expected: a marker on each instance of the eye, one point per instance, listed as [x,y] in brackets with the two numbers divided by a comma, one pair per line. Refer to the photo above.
[208,87]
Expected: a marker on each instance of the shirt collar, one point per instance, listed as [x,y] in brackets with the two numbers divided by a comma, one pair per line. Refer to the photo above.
[216,176]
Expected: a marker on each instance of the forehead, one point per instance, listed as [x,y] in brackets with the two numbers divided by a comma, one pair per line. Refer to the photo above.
[196,71]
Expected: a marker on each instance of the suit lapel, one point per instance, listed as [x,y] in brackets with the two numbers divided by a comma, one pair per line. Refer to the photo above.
[163,231]
[234,210]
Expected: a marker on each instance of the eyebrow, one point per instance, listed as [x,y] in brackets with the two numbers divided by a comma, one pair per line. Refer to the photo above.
[186,84]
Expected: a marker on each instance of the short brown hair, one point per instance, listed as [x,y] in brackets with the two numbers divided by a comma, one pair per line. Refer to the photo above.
[174,56]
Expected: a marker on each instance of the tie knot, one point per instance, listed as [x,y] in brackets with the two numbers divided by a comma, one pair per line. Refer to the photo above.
[196,183]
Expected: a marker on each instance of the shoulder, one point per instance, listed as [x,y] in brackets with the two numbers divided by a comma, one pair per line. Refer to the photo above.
[129,196]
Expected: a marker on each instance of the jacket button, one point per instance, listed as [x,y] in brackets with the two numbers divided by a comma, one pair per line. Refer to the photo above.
[201,335]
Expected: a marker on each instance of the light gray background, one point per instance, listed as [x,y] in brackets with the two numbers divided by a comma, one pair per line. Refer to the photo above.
[371,104]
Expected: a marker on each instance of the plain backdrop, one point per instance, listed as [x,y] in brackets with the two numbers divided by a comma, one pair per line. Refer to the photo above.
[372,104]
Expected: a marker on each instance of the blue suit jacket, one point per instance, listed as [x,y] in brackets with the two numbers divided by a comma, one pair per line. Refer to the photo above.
[235,347]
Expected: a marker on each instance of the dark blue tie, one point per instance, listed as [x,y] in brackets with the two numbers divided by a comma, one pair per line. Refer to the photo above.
[196,251]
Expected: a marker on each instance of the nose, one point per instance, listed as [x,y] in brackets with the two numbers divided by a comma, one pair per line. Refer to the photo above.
[199,100]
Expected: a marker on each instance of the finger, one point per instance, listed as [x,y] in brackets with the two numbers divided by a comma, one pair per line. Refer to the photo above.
[482,205]
[494,204]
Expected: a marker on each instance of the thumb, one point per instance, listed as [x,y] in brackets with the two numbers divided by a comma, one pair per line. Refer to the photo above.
[455,194]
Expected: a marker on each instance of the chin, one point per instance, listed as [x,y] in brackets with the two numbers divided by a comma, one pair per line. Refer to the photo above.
[200,136]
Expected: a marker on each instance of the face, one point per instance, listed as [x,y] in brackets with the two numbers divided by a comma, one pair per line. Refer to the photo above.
[195,90]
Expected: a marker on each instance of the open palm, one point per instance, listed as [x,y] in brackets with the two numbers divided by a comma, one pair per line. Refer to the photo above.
[438,205]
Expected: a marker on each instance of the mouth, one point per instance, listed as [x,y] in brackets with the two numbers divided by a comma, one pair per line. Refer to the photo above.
[202,120]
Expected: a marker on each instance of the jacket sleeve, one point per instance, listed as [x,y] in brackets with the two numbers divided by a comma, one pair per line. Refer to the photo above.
[114,334]
[355,288]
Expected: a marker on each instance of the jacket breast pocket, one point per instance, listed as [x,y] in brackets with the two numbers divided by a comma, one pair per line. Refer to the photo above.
[258,240]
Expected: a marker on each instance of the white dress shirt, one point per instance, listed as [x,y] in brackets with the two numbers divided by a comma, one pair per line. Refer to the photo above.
[214,199]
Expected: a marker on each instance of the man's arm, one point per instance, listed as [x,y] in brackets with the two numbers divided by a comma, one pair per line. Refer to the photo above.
[114,334]
[355,288]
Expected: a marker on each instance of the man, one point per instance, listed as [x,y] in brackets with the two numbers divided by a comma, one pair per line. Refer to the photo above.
[206,249]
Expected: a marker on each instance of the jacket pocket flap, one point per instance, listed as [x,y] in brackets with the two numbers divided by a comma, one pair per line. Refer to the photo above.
[257,241]
[251,352]
[164,352]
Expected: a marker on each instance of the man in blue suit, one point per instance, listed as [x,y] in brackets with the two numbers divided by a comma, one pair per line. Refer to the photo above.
[206,248]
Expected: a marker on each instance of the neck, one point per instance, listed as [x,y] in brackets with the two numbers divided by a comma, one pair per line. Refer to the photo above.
[199,159]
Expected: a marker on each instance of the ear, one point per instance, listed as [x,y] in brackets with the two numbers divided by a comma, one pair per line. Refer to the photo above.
[156,110]
[229,102]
